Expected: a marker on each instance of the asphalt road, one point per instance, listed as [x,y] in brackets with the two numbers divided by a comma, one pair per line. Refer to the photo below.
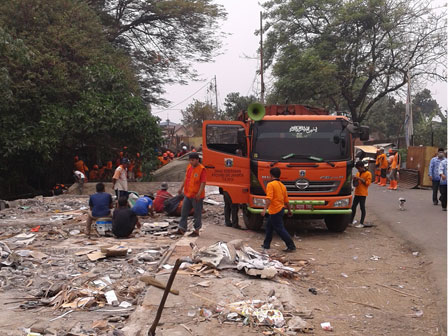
[422,224]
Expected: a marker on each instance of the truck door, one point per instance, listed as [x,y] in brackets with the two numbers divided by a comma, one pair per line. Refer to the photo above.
[225,153]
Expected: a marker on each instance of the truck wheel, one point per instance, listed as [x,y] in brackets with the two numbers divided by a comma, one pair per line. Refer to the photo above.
[337,223]
[252,221]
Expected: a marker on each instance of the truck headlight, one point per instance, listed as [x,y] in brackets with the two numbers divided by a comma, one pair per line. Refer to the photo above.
[259,202]
[342,203]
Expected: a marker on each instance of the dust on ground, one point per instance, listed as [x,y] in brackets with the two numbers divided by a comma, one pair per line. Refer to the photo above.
[365,281]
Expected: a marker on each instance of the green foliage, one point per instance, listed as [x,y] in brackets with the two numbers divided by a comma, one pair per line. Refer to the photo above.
[67,91]
[163,37]
[234,103]
[348,55]
[386,120]
[195,114]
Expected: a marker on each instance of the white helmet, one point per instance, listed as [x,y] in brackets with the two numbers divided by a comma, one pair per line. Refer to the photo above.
[184,147]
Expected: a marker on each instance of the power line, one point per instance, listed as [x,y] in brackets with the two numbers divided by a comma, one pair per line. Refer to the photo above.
[171,107]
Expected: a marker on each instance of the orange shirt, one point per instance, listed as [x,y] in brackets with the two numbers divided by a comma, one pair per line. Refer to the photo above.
[361,189]
[79,165]
[94,174]
[109,165]
[276,193]
[101,172]
[395,164]
[382,159]
[193,179]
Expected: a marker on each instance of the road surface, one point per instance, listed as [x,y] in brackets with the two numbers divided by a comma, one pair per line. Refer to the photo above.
[422,224]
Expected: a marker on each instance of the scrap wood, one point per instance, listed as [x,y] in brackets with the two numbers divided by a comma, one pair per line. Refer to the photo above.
[364,304]
[165,257]
[153,282]
[399,291]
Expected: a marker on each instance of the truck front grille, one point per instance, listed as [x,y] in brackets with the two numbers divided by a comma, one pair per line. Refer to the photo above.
[314,187]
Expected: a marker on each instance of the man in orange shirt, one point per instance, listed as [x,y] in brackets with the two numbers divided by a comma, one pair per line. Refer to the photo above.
[276,201]
[377,167]
[394,168]
[80,166]
[382,159]
[194,191]
[94,174]
[361,181]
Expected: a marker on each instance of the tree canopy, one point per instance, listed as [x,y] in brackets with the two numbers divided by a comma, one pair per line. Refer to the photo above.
[234,103]
[66,90]
[194,115]
[348,55]
[163,37]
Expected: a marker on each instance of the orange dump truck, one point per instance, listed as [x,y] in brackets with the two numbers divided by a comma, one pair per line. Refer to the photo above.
[314,150]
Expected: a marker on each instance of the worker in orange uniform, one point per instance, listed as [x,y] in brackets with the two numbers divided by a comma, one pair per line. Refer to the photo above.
[395,167]
[108,171]
[383,167]
[138,168]
[131,172]
[193,188]
[94,174]
[101,173]
[377,168]
[361,181]
[80,166]
[165,159]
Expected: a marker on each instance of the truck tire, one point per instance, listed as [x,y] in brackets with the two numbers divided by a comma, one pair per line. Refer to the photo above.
[252,221]
[337,223]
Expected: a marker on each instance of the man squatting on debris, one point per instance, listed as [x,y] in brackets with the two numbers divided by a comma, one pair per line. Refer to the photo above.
[276,201]
[143,206]
[124,220]
[194,190]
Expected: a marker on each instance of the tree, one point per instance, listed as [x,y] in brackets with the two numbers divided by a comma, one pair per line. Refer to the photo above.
[66,90]
[234,103]
[195,114]
[163,37]
[350,54]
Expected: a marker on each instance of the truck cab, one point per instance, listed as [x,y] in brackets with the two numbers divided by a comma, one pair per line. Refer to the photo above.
[314,151]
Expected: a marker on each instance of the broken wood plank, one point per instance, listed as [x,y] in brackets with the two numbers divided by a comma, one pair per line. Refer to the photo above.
[153,282]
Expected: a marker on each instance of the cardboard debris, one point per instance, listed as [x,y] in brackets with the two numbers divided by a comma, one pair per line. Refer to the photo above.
[96,255]
[218,255]
[115,251]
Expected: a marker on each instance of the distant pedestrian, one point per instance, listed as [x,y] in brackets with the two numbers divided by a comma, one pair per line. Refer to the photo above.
[79,180]
[100,204]
[124,220]
[384,164]
[120,179]
[276,201]
[194,190]
[161,196]
[394,168]
[443,182]
[434,174]
[362,182]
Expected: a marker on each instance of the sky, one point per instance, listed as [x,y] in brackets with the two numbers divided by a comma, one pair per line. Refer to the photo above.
[235,68]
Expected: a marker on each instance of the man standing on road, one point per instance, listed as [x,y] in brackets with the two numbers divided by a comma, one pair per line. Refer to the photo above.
[276,201]
[361,181]
[434,174]
[230,212]
[120,179]
[382,159]
[394,168]
[443,182]
[194,190]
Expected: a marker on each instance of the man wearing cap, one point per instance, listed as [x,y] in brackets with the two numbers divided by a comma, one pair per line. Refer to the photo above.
[161,196]
[361,182]
[120,179]
[434,173]
[194,191]
[182,152]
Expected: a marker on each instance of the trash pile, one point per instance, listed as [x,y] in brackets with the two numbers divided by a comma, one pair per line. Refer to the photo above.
[236,255]
[269,315]
[162,228]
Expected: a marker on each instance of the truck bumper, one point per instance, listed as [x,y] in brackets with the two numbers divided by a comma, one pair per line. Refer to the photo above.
[310,211]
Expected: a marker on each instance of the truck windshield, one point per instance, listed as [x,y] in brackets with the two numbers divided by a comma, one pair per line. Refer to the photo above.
[287,140]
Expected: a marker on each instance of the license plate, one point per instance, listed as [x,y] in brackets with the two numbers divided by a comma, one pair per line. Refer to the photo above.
[303,207]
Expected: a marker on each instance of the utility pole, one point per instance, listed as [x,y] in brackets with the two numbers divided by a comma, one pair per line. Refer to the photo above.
[216,96]
[261,58]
